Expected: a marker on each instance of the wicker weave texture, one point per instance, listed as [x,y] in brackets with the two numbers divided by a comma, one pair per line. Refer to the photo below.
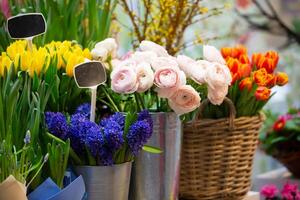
[217,158]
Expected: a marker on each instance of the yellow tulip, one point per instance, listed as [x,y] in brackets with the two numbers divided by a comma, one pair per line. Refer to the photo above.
[5,63]
[26,60]
[87,54]
[72,62]
[40,62]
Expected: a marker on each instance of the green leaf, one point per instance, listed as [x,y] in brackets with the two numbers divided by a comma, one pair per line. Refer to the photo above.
[152,149]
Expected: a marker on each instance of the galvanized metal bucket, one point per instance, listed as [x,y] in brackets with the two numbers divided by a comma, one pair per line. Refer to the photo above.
[156,176]
[106,182]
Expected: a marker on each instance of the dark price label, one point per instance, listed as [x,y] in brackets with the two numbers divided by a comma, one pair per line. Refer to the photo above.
[26,25]
[90,74]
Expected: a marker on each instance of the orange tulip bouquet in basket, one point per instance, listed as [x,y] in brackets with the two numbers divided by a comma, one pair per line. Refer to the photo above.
[219,144]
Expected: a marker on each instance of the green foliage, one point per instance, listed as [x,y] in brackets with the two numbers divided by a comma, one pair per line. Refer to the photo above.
[58,160]
[20,163]
[85,21]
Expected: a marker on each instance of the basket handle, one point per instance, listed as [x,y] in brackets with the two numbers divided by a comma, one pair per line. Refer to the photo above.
[232,111]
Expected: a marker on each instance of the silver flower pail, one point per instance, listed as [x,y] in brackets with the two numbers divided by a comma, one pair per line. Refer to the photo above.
[106,182]
[156,176]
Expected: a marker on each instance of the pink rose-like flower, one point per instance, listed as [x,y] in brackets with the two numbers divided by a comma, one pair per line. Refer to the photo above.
[167,78]
[212,54]
[151,46]
[124,80]
[185,63]
[145,76]
[217,95]
[218,75]
[184,100]
[164,62]
[269,191]
[146,56]
[290,192]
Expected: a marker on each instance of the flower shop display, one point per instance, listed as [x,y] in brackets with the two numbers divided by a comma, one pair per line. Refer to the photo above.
[150,78]
[288,192]
[280,139]
[102,153]
[219,144]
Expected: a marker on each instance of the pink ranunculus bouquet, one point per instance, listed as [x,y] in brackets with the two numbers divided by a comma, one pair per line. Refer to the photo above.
[150,78]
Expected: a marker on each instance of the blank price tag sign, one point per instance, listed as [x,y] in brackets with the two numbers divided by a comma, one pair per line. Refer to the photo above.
[26,25]
[90,74]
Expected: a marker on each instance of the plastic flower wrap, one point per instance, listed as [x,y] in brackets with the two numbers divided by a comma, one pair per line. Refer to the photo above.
[111,141]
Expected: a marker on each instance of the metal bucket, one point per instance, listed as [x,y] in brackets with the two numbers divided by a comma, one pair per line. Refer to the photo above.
[106,182]
[156,176]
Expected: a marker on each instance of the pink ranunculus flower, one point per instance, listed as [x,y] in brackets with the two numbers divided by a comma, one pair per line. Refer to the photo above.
[290,192]
[218,75]
[144,56]
[185,63]
[151,46]
[124,80]
[269,191]
[200,70]
[145,76]
[217,95]
[212,54]
[164,62]
[184,100]
[168,77]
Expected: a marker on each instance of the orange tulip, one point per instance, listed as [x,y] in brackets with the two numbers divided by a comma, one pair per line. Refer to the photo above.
[244,70]
[244,59]
[271,80]
[282,78]
[274,56]
[238,69]
[246,83]
[261,77]
[262,93]
[234,52]
[256,57]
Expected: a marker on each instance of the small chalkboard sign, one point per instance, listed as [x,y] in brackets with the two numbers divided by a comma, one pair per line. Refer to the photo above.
[90,74]
[26,25]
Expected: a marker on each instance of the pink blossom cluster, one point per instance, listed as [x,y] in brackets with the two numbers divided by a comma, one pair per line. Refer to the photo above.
[152,67]
[288,192]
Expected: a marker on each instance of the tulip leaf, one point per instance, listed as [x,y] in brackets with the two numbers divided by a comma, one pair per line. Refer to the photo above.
[152,149]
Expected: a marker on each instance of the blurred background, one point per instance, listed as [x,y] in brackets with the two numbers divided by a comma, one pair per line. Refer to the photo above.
[260,25]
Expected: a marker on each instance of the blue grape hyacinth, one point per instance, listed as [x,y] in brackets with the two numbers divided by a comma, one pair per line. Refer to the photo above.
[57,124]
[84,109]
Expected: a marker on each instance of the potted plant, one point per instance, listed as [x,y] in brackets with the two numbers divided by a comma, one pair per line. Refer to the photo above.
[149,78]
[102,153]
[280,139]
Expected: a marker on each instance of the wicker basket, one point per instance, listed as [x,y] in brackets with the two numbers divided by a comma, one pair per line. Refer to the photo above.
[217,156]
[291,161]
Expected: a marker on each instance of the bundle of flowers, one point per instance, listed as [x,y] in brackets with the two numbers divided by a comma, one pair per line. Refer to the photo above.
[252,79]
[288,192]
[281,133]
[36,61]
[150,78]
[115,139]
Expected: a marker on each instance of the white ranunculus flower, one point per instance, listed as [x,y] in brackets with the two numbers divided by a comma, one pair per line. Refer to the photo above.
[218,75]
[212,54]
[151,46]
[105,48]
[144,56]
[145,76]
[99,54]
[160,62]
[185,64]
